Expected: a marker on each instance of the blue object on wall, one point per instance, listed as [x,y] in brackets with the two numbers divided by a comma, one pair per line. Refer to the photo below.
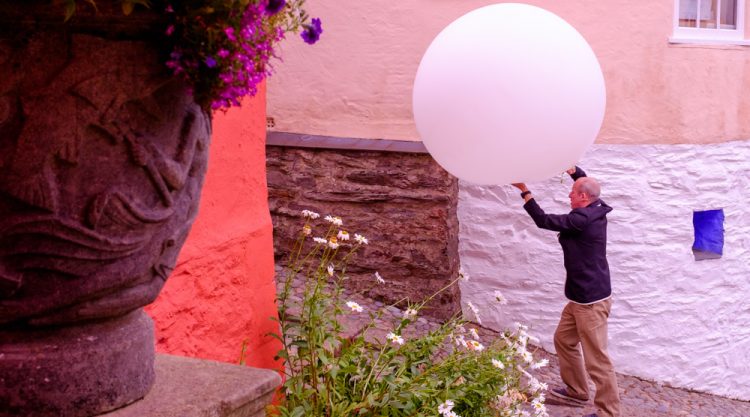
[709,234]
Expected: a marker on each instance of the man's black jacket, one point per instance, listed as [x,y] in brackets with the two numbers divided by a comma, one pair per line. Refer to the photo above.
[583,237]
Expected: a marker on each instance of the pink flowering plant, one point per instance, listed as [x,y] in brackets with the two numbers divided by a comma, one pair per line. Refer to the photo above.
[344,358]
[223,48]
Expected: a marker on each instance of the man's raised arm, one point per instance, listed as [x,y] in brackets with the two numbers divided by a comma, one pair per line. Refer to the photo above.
[576,172]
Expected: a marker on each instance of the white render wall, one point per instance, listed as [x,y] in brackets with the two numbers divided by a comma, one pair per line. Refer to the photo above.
[674,320]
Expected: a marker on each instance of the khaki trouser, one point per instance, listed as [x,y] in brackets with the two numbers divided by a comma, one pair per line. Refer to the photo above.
[587,325]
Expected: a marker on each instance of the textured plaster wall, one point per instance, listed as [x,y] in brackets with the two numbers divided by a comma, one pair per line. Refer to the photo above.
[357,81]
[674,319]
[222,290]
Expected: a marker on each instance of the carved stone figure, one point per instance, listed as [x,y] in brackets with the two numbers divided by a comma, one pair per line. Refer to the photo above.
[102,157]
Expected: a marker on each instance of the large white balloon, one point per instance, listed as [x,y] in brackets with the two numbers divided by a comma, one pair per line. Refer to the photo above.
[508,93]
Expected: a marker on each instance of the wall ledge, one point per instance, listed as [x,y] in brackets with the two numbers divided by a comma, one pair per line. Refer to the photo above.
[299,140]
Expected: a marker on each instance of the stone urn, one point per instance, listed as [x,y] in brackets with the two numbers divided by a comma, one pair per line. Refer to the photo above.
[102,158]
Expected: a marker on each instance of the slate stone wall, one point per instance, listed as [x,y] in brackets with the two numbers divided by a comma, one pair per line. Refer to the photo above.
[404,203]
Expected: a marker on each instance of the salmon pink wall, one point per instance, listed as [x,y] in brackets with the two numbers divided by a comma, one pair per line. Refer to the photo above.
[222,290]
[357,80]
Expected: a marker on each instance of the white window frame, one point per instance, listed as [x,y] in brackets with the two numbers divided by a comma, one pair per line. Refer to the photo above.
[710,35]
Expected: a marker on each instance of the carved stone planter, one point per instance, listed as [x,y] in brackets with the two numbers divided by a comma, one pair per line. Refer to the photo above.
[102,157]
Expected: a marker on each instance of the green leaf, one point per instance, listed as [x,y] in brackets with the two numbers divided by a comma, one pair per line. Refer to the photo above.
[275,336]
[282,354]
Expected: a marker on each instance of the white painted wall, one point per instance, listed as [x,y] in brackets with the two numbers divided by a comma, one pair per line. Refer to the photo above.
[675,320]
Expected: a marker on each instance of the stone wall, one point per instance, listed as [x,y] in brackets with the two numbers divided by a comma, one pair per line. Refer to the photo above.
[404,203]
[674,319]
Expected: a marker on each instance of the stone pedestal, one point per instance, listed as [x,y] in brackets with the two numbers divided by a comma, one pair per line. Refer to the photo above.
[94,366]
[102,159]
[187,387]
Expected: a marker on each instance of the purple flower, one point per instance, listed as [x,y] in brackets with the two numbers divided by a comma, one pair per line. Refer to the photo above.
[170,30]
[223,53]
[230,34]
[210,62]
[312,32]
[274,6]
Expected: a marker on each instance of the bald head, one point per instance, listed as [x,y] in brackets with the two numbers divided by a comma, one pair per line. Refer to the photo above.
[590,186]
[585,191]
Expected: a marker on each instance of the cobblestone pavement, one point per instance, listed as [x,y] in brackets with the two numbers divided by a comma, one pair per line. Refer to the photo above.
[640,398]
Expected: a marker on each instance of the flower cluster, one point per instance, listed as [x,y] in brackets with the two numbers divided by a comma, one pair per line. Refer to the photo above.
[223,47]
[391,366]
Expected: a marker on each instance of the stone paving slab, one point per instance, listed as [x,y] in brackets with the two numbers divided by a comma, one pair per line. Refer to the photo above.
[189,387]
[640,398]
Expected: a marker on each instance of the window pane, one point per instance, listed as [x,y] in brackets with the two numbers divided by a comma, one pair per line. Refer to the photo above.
[707,13]
[688,13]
[728,14]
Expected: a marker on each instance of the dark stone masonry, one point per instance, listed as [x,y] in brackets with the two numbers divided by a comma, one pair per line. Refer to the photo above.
[402,202]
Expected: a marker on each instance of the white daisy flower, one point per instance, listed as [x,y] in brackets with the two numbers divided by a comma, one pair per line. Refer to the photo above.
[541,364]
[343,235]
[306,230]
[410,313]
[474,333]
[475,346]
[396,339]
[497,363]
[460,341]
[379,278]
[538,406]
[474,310]
[334,220]
[310,214]
[320,240]
[333,243]
[527,356]
[330,269]
[360,239]
[354,306]
[537,385]
[446,407]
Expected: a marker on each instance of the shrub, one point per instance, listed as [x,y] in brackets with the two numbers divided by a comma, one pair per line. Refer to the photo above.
[381,371]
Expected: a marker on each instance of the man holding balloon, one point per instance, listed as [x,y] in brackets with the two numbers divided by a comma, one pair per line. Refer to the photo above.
[511,92]
[583,237]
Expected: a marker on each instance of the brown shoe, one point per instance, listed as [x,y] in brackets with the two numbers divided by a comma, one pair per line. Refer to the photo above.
[563,394]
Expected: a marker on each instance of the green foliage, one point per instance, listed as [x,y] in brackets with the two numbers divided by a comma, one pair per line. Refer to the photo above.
[446,371]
